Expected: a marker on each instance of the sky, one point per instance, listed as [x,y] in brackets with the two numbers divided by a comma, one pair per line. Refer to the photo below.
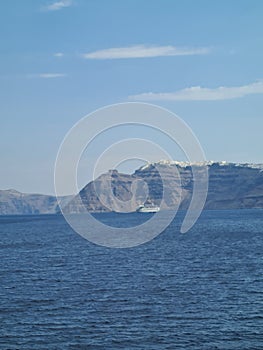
[63,59]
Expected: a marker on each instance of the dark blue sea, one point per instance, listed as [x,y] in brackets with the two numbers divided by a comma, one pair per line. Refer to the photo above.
[199,290]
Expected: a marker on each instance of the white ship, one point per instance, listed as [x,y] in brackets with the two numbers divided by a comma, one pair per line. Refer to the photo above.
[151,209]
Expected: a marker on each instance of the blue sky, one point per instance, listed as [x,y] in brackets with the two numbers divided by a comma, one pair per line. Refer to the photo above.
[60,60]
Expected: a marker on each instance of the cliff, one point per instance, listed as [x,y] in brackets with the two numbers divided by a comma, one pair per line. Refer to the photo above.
[13,202]
[231,186]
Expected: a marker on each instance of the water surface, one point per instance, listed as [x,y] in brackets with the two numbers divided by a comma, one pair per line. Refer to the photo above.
[200,290]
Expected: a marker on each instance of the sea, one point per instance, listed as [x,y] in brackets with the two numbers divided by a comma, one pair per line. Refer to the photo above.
[199,290]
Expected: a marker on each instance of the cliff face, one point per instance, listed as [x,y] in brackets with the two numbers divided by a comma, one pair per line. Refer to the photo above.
[231,186]
[14,203]
[235,186]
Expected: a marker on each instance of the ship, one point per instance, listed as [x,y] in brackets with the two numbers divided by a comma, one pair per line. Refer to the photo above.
[150,209]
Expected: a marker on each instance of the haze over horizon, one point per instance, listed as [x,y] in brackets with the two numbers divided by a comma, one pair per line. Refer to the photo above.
[61,60]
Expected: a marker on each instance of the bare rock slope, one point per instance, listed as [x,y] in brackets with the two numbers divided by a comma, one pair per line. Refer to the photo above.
[231,186]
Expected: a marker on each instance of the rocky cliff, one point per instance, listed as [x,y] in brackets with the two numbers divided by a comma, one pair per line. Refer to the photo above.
[231,186]
[13,202]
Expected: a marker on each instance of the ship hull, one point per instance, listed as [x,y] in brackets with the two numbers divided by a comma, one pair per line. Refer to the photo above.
[148,210]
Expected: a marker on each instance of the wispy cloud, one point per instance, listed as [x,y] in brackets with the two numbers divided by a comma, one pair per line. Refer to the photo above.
[47,75]
[197,93]
[58,54]
[142,51]
[58,5]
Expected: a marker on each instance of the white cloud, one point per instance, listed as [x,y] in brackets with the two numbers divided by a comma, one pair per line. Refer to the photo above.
[197,93]
[47,75]
[141,51]
[58,54]
[58,5]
